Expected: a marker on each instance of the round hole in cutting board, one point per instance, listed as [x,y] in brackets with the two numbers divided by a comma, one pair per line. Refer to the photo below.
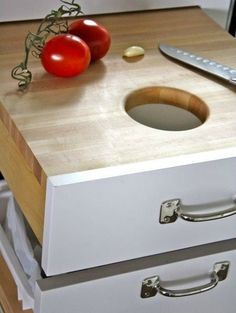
[166,108]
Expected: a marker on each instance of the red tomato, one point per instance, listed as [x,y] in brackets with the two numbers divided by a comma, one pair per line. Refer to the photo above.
[96,37]
[65,55]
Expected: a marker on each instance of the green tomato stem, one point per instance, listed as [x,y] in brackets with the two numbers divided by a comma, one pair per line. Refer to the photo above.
[52,24]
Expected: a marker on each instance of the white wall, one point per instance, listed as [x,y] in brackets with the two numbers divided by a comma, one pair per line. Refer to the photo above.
[12,10]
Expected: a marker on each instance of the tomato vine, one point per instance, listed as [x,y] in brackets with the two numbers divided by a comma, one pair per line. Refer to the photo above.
[53,24]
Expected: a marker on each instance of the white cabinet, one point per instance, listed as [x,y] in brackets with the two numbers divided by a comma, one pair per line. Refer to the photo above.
[106,237]
[131,228]
[205,274]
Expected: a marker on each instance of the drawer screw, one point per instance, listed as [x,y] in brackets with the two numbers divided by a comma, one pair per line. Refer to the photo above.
[149,287]
[167,219]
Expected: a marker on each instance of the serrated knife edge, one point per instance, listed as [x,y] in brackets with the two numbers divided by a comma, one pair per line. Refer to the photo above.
[207,65]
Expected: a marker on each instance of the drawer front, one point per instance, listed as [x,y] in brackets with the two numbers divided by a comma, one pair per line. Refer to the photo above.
[101,221]
[101,291]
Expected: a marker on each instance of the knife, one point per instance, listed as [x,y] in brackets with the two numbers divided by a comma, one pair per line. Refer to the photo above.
[207,65]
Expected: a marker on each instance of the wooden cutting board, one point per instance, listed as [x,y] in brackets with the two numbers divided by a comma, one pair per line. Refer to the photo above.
[70,125]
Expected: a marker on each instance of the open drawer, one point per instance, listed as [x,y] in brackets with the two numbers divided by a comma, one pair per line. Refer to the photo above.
[16,249]
[206,274]
[107,175]
[101,217]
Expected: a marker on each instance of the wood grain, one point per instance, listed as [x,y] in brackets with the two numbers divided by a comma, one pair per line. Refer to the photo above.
[68,125]
[28,192]
[8,291]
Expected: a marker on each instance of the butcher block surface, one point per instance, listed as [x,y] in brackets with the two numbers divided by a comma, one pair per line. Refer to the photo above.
[61,125]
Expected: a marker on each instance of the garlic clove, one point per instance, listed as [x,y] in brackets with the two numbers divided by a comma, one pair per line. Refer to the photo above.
[133,51]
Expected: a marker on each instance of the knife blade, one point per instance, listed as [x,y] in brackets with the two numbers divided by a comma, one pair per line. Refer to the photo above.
[210,66]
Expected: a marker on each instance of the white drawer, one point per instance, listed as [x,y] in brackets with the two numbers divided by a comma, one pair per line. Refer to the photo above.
[117,288]
[94,220]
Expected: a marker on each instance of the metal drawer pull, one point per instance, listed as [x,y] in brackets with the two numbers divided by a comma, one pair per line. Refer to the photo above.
[172,209]
[151,286]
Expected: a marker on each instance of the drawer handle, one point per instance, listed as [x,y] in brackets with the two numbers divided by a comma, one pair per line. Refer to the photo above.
[172,209]
[151,286]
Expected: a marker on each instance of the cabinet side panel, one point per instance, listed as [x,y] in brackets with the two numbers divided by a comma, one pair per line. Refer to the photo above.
[29,193]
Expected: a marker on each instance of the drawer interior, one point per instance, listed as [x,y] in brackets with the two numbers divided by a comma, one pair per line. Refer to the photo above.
[19,247]
[8,291]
